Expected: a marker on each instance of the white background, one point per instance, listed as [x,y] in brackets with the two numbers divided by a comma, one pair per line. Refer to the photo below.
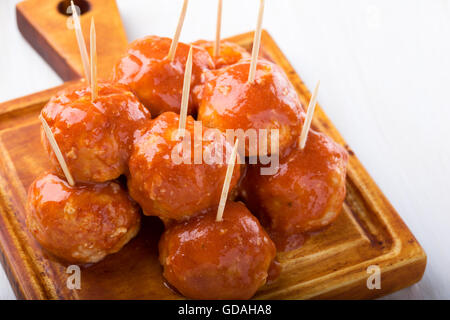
[384,68]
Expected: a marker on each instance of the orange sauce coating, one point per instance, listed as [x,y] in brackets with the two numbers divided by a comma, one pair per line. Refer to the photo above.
[176,189]
[157,81]
[205,259]
[305,195]
[80,224]
[270,102]
[230,53]
[95,138]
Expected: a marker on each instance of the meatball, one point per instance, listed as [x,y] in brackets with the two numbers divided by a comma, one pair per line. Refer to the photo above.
[156,80]
[270,102]
[80,224]
[306,194]
[230,53]
[165,177]
[95,138]
[206,259]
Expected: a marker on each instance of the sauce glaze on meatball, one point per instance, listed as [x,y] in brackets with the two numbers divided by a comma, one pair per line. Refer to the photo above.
[95,138]
[270,102]
[305,195]
[157,81]
[206,259]
[230,53]
[80,224]
[177,188]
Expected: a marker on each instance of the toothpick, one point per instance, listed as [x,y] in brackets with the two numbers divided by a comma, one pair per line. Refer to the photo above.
[57,151]
[173,45]
[81,43]
[93,47]
[226,184]
[186,90]
[256,43]
[218,27]
[309,115]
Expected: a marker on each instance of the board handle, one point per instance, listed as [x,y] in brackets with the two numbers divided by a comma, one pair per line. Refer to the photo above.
[47,26]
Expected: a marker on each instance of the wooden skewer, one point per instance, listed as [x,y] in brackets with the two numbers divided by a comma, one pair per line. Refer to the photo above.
[186,90]
[226,184]
[218,27]
[173,45]
[81,43]
[256,44]
[57,151]
[93,45]
[309,115]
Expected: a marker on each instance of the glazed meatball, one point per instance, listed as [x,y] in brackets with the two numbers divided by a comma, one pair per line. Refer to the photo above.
[156,80]
[230,53]
[95,138]
[306,194]
[80,224]
[205,259]
[170,183]
[270,102]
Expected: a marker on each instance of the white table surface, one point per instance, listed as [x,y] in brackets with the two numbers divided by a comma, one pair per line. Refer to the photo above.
[384,68]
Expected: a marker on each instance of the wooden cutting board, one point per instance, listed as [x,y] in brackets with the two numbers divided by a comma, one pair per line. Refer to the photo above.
[332,264]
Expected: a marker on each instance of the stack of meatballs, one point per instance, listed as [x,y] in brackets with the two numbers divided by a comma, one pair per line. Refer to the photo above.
[127,131]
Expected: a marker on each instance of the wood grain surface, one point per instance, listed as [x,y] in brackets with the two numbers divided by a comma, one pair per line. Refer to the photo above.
[49,32]
[332,264]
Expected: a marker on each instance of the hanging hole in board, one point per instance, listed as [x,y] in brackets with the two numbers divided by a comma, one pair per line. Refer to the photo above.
[65,8]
